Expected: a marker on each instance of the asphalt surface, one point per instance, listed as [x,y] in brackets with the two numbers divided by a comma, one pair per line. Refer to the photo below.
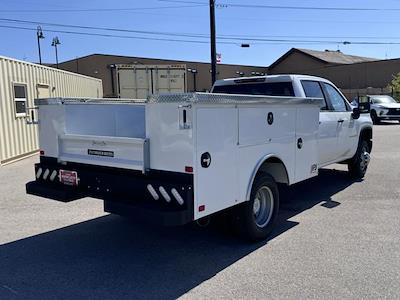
[335,239]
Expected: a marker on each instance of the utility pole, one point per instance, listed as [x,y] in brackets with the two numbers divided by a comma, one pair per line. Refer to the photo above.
[39,34]
[213,43]
[56,42]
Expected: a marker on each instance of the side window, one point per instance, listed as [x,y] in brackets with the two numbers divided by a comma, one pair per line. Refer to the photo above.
[312,89]
[20,100]
[337,101]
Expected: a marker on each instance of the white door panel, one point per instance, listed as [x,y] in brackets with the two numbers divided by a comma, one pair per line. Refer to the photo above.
[306,143]
[327,137]
[216,186]
[346,130]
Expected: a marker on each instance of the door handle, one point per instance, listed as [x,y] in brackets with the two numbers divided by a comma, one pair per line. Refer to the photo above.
[340,121]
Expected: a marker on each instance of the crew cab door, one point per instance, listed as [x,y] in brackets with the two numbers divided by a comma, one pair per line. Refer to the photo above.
[345,126]
[327,131]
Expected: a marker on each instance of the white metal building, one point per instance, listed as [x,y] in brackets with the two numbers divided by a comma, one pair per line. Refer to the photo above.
[22,82]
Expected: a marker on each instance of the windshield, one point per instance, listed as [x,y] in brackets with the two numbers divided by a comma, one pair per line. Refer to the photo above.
[383,100]
[265,88]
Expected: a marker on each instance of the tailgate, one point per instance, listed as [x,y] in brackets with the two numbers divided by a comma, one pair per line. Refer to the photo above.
[120,152]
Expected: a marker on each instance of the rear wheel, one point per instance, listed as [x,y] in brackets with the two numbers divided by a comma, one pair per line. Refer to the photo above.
[255,218]
[359,164]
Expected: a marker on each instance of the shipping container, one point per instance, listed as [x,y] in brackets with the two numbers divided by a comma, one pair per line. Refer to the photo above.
[140,81]
[22,82]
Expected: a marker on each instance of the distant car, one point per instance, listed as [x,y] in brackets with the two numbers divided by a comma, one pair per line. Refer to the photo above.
[383,108]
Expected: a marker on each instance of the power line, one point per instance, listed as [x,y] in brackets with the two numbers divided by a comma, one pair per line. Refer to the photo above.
[99,9]
[266,41]
[115,36]
[258,6]
[195,35]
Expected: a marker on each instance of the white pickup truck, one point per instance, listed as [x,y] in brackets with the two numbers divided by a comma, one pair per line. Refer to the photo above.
[183,157]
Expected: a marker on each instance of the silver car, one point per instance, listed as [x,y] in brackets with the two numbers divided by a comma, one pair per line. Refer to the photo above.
[382,107]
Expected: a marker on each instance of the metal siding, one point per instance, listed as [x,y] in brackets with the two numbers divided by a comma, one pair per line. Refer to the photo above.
[16,137]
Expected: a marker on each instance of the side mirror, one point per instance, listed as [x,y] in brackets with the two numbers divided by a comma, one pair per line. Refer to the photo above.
[364,104]
[356,113]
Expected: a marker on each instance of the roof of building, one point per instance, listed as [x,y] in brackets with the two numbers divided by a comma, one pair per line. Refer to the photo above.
[327,56]
[45,66]
[158,59]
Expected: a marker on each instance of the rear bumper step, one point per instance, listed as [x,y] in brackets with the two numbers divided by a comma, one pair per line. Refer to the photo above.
[158,196]
[62,194]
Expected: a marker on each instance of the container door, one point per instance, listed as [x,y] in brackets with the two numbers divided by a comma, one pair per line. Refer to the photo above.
[216,164]
[134,83]
[307,123]
[168,80]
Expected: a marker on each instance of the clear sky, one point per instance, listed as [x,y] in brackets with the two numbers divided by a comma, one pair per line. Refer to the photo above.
[187,19]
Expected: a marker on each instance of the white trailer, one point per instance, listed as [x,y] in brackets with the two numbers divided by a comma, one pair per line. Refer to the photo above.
[140,81]
[183,157]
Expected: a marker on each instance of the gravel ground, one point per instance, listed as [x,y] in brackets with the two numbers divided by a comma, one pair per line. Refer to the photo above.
[335,238]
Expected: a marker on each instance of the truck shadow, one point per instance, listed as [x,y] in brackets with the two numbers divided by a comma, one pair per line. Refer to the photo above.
[113,258]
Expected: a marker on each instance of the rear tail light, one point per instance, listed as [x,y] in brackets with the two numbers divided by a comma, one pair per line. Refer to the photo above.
[178,197]
[41,152]
[164,194]
[153,192]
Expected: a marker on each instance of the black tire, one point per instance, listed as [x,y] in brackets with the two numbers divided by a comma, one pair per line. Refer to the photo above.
[374,117]
[251,225]
[359,164]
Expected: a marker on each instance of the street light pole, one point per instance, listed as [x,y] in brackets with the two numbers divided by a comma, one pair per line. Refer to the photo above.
[194,72]
[213,43]
[56,42]
[194,80]
[39,34]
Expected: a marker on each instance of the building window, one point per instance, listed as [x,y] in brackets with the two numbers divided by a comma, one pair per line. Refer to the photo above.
[20,100]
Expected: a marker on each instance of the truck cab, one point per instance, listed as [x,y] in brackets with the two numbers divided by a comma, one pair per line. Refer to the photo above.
[340,126]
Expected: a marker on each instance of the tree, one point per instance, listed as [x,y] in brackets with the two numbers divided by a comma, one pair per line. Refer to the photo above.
[395,86]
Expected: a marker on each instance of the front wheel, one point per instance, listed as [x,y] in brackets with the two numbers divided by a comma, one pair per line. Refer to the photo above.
[255,218]
[374,117]
[359,164]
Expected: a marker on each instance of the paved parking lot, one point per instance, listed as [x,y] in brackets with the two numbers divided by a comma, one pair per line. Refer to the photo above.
[335,238]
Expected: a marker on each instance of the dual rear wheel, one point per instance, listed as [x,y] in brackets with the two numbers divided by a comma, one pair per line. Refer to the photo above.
[254,219]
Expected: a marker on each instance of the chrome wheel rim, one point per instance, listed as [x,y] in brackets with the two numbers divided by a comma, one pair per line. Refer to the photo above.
[263,206]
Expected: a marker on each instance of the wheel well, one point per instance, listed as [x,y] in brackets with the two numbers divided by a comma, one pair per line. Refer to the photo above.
[276,168]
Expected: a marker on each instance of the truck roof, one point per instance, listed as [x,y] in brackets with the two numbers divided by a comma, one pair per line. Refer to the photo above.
[267,78]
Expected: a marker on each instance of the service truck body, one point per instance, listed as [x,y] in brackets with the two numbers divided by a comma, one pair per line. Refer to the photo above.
[182,157]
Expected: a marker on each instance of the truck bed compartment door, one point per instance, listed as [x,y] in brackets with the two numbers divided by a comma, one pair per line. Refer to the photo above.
[215,168]
[307,122]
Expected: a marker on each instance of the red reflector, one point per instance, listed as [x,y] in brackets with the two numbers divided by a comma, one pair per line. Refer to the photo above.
[41,152]
[202,208]
[188,169]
